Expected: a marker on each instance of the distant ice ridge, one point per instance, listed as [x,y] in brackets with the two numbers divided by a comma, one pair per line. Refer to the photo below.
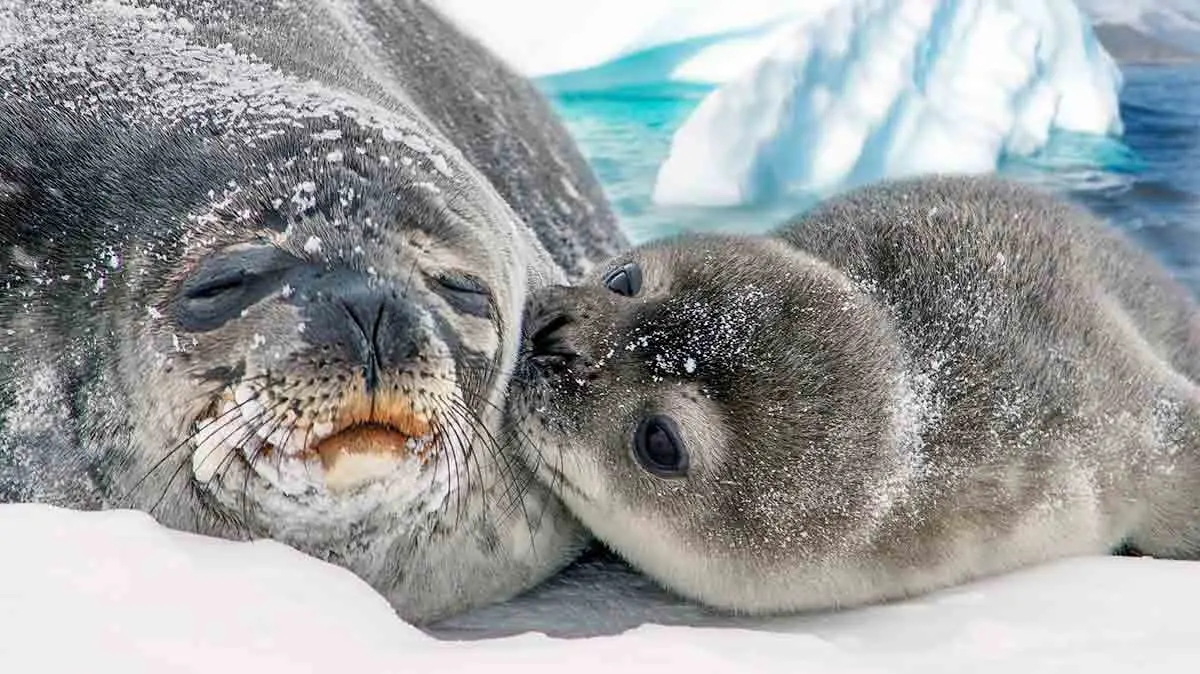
[553,37]
[1173,21]
[547,37]
[886,88]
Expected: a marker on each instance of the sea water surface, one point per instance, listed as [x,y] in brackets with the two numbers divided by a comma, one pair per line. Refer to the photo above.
[1146,182]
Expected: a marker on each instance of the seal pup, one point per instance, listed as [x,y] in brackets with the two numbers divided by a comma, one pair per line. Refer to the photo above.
[261,272]
[919,383]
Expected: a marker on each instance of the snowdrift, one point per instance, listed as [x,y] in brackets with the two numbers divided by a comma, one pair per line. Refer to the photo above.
[115,591]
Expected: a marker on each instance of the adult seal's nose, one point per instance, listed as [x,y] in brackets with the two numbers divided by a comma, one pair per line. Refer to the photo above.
[360,319]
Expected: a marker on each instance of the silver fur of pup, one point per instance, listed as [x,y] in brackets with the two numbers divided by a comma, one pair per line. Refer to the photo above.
[920,383]
[199,199]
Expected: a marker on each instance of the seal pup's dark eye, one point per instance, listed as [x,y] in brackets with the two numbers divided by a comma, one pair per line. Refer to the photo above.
[465,293]
[658,447]
[625,280]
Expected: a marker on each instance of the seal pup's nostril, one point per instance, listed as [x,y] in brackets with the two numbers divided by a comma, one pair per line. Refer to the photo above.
[548,340]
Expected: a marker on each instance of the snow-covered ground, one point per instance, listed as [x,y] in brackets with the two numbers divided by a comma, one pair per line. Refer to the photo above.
[113,591]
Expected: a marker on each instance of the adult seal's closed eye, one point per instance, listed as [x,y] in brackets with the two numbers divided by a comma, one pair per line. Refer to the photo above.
[917,384]
[261,272]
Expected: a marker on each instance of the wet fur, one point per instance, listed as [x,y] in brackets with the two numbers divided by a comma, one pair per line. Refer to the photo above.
[917,384]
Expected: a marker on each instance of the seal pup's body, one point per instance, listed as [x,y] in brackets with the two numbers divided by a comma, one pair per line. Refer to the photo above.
[917,384]
[261,272]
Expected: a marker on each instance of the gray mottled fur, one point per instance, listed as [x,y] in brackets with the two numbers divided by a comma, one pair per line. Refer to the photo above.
[138,139]
[919,383]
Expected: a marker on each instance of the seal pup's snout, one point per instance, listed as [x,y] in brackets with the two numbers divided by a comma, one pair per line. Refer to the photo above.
[549,340]
[550,322]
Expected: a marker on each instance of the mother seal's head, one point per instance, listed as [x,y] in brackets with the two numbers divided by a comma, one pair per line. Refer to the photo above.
[700,404]
[260,304]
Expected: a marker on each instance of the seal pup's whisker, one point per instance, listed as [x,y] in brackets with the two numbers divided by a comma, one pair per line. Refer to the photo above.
[915,384]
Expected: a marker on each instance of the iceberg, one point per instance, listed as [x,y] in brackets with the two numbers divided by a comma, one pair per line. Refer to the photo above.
[886,88]
[1175,22]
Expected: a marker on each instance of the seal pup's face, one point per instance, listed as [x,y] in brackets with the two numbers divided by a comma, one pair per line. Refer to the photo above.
[713,408]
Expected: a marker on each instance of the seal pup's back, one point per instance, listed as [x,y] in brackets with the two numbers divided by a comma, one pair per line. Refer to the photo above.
[919,383]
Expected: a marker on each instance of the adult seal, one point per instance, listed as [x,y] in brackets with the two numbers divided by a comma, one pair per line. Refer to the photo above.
[917,384]
[261,273]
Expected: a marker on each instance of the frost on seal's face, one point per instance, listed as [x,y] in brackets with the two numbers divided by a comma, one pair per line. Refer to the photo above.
[316,353]
[651,412]
[267,295]
[360,356]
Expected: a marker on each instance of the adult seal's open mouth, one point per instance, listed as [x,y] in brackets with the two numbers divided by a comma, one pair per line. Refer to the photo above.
[261,274]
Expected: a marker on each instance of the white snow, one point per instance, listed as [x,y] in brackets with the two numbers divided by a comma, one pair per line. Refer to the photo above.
[114,591]
[886,88]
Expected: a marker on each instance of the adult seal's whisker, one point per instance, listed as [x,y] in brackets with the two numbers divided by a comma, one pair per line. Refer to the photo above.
[284,301]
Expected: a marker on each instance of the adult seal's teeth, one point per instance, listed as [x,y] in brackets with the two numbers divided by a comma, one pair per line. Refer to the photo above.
[209,451]
[252,410]
[242,394]
[322,430]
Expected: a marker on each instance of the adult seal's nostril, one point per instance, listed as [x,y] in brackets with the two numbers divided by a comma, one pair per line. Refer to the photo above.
[355,318]
[368,333]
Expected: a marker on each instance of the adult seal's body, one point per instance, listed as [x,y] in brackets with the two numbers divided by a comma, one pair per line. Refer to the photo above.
[917,384]
[261,273]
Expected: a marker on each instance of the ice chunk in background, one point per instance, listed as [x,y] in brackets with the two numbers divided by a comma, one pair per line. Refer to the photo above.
[886,88]
[1174,21]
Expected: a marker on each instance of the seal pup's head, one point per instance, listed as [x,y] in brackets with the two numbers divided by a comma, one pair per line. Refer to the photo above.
[721,411]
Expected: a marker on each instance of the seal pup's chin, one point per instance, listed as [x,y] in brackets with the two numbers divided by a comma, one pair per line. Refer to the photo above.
[366,442]
[873,402]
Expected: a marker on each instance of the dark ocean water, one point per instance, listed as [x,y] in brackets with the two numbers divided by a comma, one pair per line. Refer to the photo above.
[1147,181]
